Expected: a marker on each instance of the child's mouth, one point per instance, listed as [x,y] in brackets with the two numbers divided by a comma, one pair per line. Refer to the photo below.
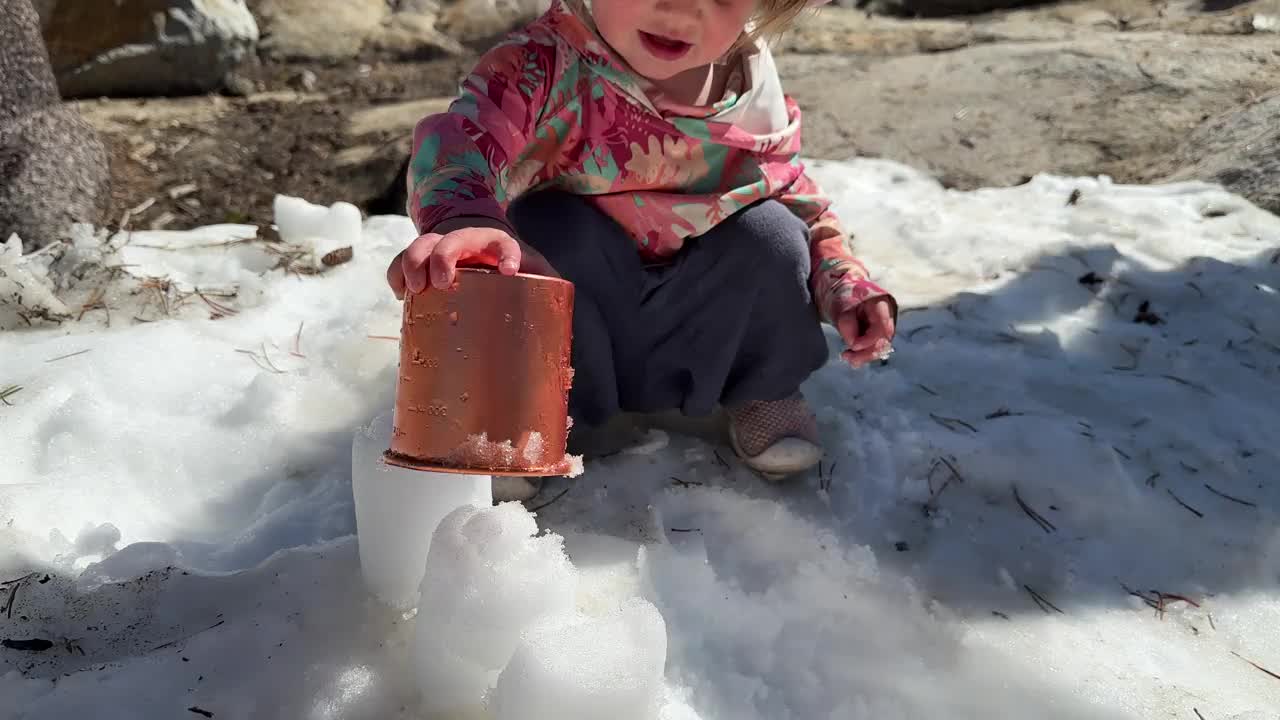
[664,48]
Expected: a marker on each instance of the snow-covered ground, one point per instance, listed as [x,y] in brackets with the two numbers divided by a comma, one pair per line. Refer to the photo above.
[1057,499]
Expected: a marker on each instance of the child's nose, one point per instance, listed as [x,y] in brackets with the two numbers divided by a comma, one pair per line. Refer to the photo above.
[685,9]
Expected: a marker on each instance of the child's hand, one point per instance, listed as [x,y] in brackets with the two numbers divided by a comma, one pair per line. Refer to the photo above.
[867,330]
[435,256]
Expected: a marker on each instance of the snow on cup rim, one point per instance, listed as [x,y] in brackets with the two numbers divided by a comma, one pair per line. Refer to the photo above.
[484,376]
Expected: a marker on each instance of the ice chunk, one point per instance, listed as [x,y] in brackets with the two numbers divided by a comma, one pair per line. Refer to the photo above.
[131,562]
[583,668]
[319,229]
[219,258]
[25,282]
[489,576]
[398,509]
[100,540]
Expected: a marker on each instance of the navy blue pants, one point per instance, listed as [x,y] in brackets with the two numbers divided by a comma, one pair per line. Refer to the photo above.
[728,320]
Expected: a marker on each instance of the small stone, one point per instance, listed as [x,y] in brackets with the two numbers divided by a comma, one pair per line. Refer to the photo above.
[1266,23]
[305,81]
[237,85]
[338,257]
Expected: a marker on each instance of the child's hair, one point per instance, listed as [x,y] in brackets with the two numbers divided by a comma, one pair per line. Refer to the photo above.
[774,16]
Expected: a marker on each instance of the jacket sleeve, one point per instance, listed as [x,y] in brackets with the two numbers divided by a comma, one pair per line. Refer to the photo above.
[838,280]
[461,158]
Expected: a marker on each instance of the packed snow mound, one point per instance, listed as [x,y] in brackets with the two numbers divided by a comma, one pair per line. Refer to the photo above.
[581,667]
[489,575]
[1055,499]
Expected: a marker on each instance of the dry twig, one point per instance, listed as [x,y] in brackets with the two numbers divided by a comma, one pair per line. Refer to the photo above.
[824,479]
[171,643]
[1256,665]
[721,461]
[1190,509]
[7,392]
[17,584]
[68,355]
[1225,496]
[552,500]
[265,362]
[297,344]
[219,310]
[1039,519]
[1189,383]
[911,335]
[951,423]
[931,505]
[1044,604]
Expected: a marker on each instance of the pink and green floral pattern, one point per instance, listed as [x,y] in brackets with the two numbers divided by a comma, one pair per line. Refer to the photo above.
[552,107]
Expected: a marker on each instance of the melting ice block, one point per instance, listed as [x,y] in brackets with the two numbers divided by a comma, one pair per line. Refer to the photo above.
[489,576]
[398,510]
[316,227]
[586,668]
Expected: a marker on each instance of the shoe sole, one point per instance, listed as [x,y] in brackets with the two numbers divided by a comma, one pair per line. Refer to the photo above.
[798,456]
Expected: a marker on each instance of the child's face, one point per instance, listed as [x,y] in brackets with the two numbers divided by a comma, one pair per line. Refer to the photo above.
[663,38]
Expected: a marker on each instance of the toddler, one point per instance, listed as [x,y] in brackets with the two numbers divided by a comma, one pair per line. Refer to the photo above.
[645,151]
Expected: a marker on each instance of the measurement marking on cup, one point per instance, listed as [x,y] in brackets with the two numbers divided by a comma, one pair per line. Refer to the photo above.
[431,410]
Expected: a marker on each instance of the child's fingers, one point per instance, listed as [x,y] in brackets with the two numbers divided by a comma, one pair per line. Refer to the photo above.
[395,275]
[444,261]
[508,252]
[413,264]
[882,317]
[847,326]
[858,358]
[879,322]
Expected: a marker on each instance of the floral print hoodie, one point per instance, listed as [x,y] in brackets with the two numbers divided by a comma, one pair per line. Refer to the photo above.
[552,106]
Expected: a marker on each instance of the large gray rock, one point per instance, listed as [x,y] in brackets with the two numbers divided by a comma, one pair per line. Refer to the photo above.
[1101,103]
[469,20]
[147,47]
[53,167]
[305,30]
[1239,149]
[318,29]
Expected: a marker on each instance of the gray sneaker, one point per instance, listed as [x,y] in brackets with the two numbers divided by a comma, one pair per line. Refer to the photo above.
[776,439]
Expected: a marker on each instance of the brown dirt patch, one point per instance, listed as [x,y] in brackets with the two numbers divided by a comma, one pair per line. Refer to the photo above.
[255,147]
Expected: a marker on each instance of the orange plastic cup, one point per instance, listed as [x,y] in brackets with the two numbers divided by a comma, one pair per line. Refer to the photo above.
[484,377]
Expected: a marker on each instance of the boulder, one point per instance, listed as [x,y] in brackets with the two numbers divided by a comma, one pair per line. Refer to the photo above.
[1239,149]
[411,36]
[485,19]
[318,29]
[53,164]
[304,30]
[147,47]
[480,20]
[994,114]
